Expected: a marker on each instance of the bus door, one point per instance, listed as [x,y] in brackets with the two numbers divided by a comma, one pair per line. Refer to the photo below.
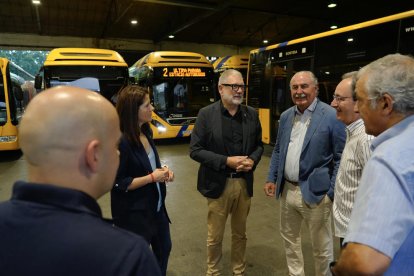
[280,74]
[11,107]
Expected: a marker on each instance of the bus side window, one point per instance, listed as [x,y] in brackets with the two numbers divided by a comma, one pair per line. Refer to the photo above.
[18,93]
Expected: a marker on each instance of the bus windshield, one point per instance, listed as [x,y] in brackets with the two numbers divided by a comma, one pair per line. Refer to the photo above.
[180,84]
[178,100]
[107,80]
[16,90]
[15,111]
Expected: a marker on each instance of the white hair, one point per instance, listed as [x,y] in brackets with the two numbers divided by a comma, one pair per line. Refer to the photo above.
[392,75]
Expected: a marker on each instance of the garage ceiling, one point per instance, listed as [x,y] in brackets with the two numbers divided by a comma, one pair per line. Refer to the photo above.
[241,23]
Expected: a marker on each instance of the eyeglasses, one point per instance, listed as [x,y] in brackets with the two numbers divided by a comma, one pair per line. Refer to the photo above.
[339,99]
[235,87]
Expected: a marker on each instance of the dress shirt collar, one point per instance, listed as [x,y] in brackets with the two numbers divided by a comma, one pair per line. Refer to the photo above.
[64,198]
[224,111]
[393,131]
[310,108]
[350,129]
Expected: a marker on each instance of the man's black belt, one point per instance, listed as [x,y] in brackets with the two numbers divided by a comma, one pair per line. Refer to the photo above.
[235,175]
[292,182]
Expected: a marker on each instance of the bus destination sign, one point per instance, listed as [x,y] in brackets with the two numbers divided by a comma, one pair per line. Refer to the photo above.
[170,72]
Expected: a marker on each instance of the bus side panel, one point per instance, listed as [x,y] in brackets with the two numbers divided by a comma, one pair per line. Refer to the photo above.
[264,117]
[11,131]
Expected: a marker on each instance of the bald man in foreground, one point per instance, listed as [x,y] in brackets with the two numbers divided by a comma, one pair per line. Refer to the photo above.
[53,225]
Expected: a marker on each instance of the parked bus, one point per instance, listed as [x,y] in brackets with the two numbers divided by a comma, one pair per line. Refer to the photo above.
[238,62]
[329,55]
[100,70]
[16,91]
[181,83]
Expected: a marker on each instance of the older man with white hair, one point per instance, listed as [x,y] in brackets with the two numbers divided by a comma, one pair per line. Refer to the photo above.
[380,237]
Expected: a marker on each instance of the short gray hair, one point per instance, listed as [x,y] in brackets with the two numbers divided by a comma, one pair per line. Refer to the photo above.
[227,73]
[392,75]
[310,73]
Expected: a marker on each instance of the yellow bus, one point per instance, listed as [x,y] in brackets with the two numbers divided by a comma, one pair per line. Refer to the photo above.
[100,70]
[329,55]
[16,90]
[181,83]
[238,62]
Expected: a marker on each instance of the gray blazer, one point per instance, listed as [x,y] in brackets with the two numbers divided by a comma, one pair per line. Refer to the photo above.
[320,156]
[207,147]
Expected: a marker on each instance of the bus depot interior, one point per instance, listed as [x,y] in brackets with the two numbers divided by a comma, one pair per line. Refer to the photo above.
[213,29]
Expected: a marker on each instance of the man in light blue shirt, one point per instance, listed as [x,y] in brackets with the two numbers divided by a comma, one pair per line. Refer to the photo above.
[380,237]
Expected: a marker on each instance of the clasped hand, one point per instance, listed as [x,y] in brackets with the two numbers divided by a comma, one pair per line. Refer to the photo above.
[240,163]
[163,174]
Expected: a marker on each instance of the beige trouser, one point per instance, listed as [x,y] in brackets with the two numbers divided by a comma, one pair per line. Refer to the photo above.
[294,211]
[234,201]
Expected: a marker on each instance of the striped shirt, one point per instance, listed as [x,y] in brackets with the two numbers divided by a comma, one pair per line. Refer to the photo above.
[355,155]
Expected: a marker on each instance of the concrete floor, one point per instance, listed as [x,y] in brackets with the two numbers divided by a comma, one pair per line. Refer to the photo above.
[188,210]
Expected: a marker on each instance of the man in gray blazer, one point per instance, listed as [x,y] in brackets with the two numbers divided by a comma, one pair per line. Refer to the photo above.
[302,172]
[226,141]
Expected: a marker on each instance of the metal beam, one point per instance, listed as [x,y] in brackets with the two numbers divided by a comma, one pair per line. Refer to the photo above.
[108,20]
[179,3]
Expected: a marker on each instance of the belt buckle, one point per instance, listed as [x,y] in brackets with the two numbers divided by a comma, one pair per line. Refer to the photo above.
[232,174]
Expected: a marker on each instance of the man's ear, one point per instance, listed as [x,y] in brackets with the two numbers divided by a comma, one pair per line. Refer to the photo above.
[91,155]
[387,103]
[220,89]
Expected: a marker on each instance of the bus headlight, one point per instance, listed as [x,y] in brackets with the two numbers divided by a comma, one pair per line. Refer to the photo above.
[160,127]
[5,139]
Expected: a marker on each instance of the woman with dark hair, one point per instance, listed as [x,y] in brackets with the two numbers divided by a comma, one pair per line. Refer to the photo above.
[138,196]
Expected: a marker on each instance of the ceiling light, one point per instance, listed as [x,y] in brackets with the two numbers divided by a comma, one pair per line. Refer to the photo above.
[36,2]
[134,22]
[265,41]
[334,27]
[331,4]
[171,36]
[350,39]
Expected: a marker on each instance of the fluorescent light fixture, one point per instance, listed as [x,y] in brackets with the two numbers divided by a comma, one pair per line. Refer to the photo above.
[134,22]
[265,41]
[350,39]
[171,36]
[333,27]
[327,72]
[331,4]
[36,2]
